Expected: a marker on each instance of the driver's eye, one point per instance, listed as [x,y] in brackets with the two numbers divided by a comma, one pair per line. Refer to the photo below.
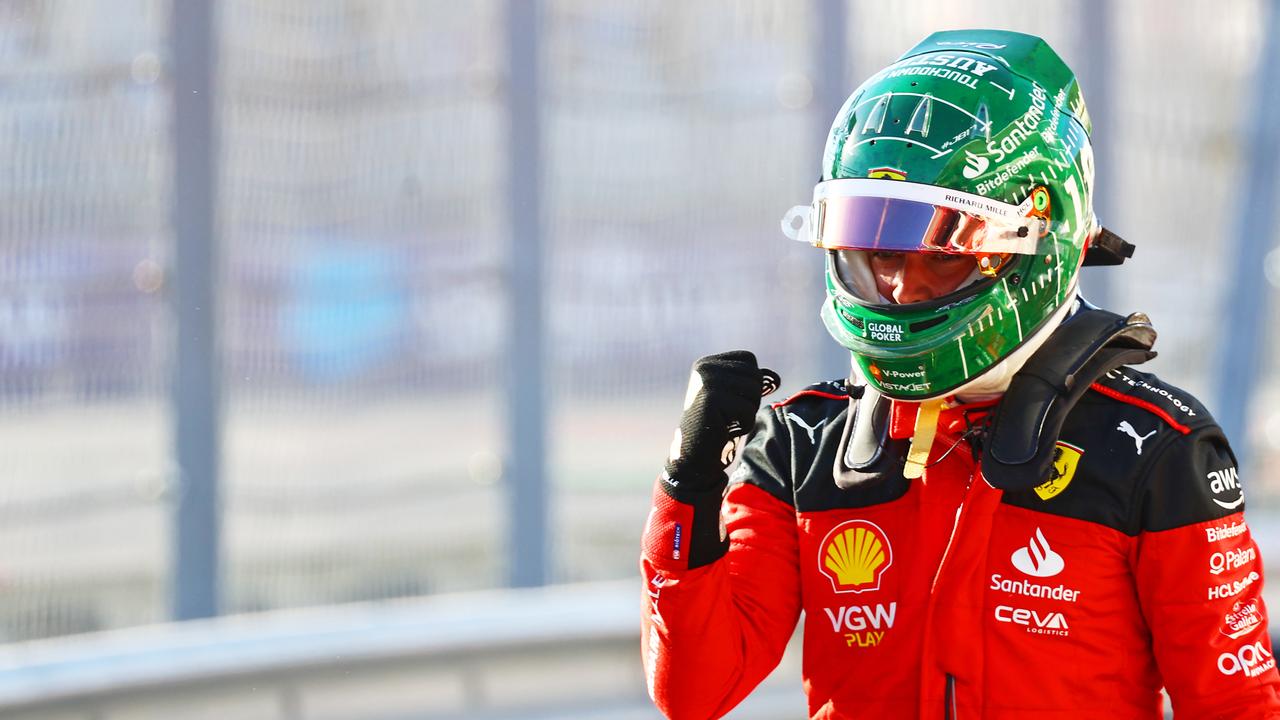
[884,255]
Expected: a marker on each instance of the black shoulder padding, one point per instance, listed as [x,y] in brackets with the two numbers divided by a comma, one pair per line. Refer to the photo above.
[866,453]
[1018,451]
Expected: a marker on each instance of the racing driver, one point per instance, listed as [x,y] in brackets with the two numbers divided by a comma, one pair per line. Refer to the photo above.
[997,516]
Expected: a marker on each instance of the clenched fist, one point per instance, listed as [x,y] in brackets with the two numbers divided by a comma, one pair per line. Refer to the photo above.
[719,407]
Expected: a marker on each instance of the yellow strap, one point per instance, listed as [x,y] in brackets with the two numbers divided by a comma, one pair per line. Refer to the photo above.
[922,438]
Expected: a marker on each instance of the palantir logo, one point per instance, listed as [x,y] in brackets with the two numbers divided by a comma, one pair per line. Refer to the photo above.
[1037,559]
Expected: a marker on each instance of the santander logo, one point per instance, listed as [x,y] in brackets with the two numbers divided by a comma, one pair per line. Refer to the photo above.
[1037,559]
[975,165]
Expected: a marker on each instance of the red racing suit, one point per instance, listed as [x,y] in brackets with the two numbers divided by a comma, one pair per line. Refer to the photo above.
[1130,569]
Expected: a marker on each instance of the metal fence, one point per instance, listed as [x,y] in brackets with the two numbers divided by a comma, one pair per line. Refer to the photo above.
[364,304]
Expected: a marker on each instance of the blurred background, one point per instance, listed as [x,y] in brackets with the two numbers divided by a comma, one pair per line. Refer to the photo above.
[360,321]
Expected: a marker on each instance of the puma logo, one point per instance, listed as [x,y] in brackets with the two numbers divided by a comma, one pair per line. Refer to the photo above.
[1127,429]
[808,428]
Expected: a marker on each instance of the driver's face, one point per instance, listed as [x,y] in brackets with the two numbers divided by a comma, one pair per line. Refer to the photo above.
[919,276]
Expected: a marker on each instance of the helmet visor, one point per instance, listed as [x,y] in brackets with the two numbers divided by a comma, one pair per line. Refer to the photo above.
[898,216]
[892,225]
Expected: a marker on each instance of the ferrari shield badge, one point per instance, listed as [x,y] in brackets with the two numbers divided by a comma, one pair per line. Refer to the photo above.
[1065,459]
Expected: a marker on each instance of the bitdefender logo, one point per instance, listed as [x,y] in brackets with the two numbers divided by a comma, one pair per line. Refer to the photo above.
[1037,559]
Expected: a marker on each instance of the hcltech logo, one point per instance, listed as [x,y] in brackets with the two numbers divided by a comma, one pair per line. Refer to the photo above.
[1037,559]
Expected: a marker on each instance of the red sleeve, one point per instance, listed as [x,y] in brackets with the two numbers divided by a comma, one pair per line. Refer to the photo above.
[1200,587]
[710,634]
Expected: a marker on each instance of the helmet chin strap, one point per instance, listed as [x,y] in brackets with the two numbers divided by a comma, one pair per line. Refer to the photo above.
[922,438]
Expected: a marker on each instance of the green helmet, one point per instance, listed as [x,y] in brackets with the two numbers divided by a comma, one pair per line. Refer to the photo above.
[975,142]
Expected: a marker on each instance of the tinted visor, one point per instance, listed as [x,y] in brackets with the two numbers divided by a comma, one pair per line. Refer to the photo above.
[878,276]
[896,225]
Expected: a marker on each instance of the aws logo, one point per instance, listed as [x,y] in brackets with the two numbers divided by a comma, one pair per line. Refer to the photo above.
[1066,458]
[854,556]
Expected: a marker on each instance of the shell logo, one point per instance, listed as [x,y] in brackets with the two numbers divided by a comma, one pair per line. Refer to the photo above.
[854,556]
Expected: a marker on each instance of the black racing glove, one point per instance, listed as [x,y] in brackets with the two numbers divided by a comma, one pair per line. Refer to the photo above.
[719,407]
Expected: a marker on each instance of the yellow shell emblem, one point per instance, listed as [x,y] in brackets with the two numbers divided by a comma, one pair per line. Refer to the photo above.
[854,556]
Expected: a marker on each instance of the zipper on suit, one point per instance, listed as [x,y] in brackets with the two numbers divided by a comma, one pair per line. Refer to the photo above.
[949,700]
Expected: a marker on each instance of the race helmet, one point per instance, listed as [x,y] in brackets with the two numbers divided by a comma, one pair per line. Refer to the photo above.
[974,144]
